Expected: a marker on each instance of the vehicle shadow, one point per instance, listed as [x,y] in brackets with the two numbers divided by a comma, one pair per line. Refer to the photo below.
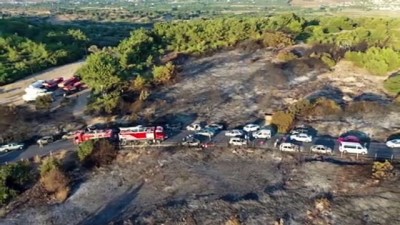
[326,140]
[113,209]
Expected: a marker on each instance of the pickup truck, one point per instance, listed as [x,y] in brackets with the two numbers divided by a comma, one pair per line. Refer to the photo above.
[11,147]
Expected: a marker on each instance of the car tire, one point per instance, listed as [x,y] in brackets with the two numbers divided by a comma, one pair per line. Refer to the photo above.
[344,152]
[20,148]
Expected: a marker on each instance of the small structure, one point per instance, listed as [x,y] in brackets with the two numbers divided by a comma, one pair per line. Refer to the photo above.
[267,118]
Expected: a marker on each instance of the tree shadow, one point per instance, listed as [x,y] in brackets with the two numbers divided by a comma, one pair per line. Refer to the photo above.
[113,209]
[329,92]
[372,97]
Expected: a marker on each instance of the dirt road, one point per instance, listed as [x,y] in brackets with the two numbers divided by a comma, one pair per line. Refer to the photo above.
[11,93]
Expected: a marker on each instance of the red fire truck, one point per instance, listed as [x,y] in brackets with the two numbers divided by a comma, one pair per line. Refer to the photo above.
[82,136]
[140,133]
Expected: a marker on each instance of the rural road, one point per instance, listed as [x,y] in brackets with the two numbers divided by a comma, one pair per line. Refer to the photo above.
[375,150]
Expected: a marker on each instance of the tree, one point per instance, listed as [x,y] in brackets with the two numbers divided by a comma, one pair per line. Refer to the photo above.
[277,39]
[102,72]
[283,120]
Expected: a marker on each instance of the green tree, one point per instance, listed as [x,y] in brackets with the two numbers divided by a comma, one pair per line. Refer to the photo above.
[85,149]
[43,102]
[102,72]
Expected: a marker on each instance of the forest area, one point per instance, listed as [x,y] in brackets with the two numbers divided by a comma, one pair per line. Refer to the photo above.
[27,47]
[371,43]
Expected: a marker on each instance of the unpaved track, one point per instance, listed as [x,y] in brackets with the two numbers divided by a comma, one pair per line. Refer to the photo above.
[11,93]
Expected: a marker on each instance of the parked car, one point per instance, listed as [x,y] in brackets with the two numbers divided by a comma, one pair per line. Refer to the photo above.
[289,147]
[190,141]
[251,127]
[69,81]
[45,140]
[234,133]
[321,149]
[51,84]
[302,137]
[349,138]
[394,143]
[352,147]
[193,127]
[68,135]
[263,133]
[206,132]
[11,146]
[215,126]
[235,141]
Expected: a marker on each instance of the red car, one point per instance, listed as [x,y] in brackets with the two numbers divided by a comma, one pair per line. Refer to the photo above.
[350,138]
[69,82]
[50,84]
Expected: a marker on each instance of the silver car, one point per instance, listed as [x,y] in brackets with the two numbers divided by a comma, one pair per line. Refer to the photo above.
[11,147]
[321,149]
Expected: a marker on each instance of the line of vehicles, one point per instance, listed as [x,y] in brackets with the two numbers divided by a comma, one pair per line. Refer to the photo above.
[47,87]
[291,142]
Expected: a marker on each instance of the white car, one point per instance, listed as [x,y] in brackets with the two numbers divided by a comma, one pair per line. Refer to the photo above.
[321,149]
[263,133]
[395,143]
[352,147]
[29,97]
[193,127]
[302,137]
[11,147]
[235,141]
[234,133]
[205,132]
[289,147]
[215,126]
[251,127]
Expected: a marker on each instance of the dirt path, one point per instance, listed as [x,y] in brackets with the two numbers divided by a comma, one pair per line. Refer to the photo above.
[11,93]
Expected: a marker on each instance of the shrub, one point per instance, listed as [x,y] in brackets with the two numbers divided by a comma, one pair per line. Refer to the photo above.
[56,182]
[43,102]
[277,39]
[283,120]
[382,170]
[49,164]
[164,74]
[144,94]
[324,107]
[85,149]
[286,56]
[327,59]
[104,105]
[104,152]
[140,83]
[13,179]
[300,107]
[392,84]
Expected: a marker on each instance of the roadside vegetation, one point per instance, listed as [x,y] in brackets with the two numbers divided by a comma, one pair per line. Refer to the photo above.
[14,179]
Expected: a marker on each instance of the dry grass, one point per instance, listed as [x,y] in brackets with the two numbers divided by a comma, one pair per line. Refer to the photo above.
[56,182]
[234,220]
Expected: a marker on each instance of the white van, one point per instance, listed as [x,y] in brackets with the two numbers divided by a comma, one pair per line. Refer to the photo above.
[352,147]
[264,133]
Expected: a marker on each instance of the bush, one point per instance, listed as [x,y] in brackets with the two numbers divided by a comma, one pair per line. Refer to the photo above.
[49,164]
[286,56]
[104,152]
[324,107]
[14,179]
[139,83]
[392,84]
[54,179]
[43,102]
[382,170]
[283,120]
[85,149]
[300,107]
[105,104]
[164,74]
[277,40]
[56,182]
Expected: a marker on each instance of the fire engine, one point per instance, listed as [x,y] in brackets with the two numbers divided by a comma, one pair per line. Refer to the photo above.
[140,133]
[82,136]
